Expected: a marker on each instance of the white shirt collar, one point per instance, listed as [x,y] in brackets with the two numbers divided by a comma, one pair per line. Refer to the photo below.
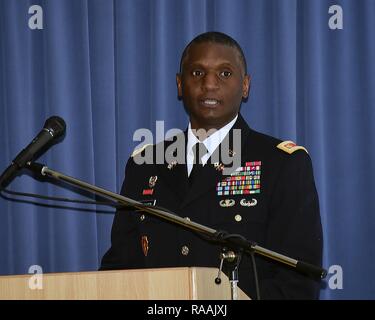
[211,143]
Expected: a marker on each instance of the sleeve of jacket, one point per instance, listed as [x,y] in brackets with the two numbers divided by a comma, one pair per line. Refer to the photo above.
[125,250]
[294,229]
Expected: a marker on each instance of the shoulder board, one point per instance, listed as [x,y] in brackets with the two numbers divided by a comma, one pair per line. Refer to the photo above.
[139,150]
[290,147]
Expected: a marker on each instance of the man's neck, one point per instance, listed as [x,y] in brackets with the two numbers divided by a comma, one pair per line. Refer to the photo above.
[202,132]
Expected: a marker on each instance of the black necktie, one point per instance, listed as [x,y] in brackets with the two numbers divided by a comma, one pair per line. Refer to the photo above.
[199,150]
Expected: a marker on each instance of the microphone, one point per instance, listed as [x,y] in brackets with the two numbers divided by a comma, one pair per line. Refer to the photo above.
[53,128]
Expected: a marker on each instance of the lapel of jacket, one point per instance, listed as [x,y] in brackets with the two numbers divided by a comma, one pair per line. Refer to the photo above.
[174,172]
[210,175]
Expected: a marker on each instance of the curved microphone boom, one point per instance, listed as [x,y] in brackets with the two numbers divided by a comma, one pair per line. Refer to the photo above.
[53,128]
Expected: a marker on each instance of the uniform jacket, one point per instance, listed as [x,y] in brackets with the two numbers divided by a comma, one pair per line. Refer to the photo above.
[277,208]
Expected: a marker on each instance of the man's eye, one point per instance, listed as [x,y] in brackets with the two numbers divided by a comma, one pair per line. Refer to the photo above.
[225,74]
[197,73]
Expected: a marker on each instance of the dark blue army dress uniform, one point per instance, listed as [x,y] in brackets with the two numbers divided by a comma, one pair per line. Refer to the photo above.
[278,209]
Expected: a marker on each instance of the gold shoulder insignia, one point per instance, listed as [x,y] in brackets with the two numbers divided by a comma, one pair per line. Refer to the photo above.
[290,147]
[139,150]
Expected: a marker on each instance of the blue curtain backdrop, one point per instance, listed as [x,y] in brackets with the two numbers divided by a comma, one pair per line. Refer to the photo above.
[108,68]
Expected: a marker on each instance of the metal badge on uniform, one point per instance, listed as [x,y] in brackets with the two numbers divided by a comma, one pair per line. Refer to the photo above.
[227,203]
[219,166]
[152,181]
[248,203]
[172,164]
[144,243]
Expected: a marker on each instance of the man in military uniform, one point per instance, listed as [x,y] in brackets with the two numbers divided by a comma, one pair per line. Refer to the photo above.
[269,198]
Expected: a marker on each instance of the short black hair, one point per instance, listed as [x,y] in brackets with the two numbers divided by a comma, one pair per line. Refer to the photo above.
[215,37]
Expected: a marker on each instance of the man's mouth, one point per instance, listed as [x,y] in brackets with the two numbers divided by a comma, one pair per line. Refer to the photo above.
[210,102]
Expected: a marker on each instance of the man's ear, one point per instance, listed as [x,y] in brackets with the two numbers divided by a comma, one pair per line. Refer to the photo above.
[179,84]
[246,86]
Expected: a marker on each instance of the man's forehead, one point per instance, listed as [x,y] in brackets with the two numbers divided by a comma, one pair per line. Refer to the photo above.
[202,48]
[201,53]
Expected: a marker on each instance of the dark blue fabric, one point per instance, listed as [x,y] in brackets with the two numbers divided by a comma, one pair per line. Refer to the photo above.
[108,68]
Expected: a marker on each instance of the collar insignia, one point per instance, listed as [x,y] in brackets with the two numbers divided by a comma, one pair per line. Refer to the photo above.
[172,164]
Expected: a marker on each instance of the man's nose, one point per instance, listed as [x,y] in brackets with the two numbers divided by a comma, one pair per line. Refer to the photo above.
[210,81]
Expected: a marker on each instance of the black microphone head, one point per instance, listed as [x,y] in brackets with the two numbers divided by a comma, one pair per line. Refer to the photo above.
[54,128]
[55,125]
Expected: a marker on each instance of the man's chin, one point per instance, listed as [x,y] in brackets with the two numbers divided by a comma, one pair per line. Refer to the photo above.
[210,121]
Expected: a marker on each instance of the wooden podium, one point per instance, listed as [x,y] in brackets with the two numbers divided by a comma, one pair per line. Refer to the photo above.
[137,284]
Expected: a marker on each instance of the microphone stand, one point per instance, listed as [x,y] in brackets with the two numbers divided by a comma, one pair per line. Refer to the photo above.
[233,260]
[232,240]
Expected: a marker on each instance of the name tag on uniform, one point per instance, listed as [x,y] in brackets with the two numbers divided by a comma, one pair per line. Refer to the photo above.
[151,203]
